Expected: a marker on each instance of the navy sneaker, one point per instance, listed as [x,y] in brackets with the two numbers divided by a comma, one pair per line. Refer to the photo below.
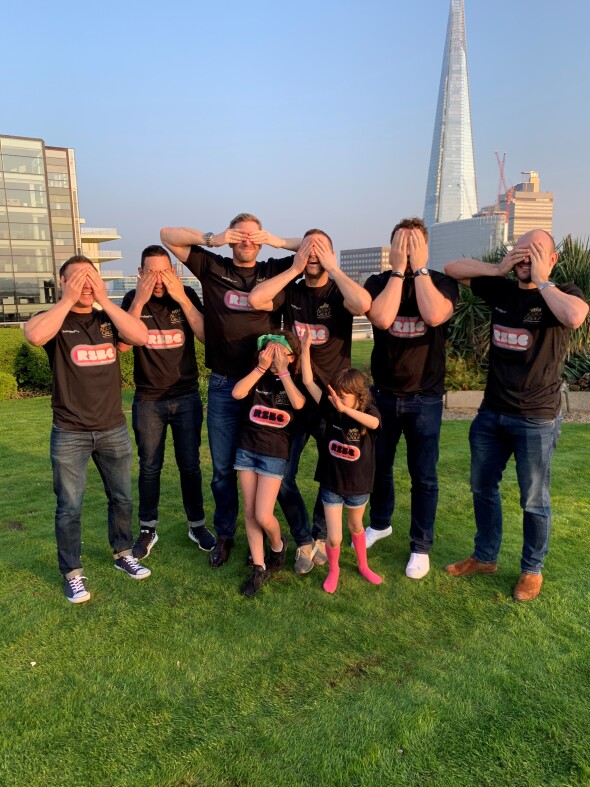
[130,566]
[76,590]
[204,539]
[255,581]
[145,541]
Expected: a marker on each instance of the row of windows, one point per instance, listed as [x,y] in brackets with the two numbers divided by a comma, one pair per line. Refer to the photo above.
[21,147]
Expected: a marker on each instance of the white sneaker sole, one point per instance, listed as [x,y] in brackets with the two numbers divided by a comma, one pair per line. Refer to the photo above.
[198,543]
[80,599]
[418,571]
[144,575]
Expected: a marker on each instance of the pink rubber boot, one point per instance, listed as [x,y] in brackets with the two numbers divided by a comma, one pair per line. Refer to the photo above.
[331,582]
[360,547]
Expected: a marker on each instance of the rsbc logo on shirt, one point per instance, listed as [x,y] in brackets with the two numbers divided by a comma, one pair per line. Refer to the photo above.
[165,340]
[319,333]
[407,327]
[269,416]
[93,354]
[511,338]
[238,301]
[342,451]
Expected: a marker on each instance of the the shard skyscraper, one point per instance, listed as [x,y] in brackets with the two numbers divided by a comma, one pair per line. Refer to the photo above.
[451,192]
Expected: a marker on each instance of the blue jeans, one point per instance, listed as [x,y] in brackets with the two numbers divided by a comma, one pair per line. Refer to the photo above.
[307,423]
[223,424]
[419,418]
[111,452]
[494,438]
[184,414]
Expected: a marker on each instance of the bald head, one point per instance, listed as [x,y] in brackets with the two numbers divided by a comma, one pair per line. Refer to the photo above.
[540,236]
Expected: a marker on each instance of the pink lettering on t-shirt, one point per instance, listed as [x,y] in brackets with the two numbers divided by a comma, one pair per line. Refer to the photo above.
[407,327]
[319,333]
[93,354]
[238,301]
[342,451]
[269,416]
[518,339]
[168,339]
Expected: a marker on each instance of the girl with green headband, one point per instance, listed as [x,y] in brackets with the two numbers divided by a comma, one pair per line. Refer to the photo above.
[270,400]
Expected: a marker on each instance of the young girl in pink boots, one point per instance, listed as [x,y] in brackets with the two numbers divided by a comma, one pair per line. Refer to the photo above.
[346,464]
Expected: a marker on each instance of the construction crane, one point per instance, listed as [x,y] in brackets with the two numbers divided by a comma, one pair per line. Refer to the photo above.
[502,187]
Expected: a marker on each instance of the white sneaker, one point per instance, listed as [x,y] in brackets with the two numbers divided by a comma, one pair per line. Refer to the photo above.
[418,566]
[374,535]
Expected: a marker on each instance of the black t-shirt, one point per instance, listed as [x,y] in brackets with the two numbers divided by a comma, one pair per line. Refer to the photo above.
[83,357]
[231,325]
[346,463]
[322,308]
[527,348]
[267,418]
[166,367]
[409,357]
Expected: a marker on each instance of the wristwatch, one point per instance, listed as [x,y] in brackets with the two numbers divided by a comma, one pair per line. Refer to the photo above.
[421,272]
[398,274]
[208,238]
[544,284]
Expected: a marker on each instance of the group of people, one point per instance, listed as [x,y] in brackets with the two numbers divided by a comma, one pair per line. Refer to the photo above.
[277,338]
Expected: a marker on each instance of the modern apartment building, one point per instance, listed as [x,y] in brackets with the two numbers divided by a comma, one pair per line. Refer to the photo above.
[39,224]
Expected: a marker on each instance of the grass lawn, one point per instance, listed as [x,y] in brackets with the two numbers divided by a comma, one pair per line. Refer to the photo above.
[178,680]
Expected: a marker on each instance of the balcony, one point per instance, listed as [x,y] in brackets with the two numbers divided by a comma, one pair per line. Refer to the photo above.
[99,234]
[103,256]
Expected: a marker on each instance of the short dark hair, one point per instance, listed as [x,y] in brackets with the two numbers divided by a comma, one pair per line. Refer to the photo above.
[320,232]
[410,224]
[77,258]
[154,251]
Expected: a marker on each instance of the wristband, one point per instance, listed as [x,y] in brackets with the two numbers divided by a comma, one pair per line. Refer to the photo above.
[284,374]
[398,274]
[260,369]
[545,284]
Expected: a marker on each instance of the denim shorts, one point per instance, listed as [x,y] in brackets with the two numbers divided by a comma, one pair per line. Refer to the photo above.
[272,466]
[330,498]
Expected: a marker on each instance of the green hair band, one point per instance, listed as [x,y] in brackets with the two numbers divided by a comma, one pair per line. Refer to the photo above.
[263,340]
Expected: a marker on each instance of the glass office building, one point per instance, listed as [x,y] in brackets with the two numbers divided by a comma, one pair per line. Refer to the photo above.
[39,223]
[451,192]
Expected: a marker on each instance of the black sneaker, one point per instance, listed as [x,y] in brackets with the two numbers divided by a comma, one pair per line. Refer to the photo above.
[145,541]
[130,566]
[76,590]
[204,539]
[275,561]
[255,581]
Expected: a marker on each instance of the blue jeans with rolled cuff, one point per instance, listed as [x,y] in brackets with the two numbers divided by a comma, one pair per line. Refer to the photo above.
[494,438]
[151,418]
[111,452]
[418,417]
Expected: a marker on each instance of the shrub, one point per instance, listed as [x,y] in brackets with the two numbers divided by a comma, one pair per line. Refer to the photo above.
[10,341]
[31,369]
[464,374]
[8,386]
[126,363]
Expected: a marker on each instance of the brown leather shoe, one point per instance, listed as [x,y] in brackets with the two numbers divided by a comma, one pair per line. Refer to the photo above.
[470,566]
[528,587]
[220,552]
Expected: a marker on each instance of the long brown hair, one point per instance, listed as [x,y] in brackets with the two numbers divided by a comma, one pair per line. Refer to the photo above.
[354,382]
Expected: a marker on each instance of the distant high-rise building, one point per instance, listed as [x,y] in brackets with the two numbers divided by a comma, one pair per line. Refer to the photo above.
[39,224]
[359,264]
[529,208]
[451,191]
[482,234]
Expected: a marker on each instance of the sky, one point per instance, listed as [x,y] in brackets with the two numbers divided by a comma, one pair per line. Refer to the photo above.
[308,114]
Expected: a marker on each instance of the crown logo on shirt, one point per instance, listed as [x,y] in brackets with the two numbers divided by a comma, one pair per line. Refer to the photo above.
[324,311]
[106,329]
[176,316]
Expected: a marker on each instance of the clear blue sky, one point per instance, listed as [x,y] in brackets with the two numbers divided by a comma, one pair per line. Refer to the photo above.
[307,114]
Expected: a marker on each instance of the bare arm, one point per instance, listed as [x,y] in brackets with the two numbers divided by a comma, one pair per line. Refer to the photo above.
[296,398]
[143,292]
[180,239]
[370,421]
[261,297]
[356,299]
[570,310]
[130,328]
[306,370]
[243,387]
[385,307]
[262,237]
[43,327]
[467,269]
[193,316]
